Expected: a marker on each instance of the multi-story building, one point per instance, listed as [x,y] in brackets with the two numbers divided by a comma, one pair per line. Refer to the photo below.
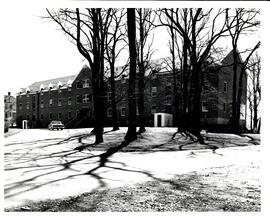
[10,109]
[69,98]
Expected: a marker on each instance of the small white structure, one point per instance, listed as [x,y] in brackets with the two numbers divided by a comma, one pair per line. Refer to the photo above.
[163,120]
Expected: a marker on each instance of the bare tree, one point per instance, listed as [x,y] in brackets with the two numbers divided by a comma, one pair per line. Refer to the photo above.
[87,30]
[239,21]
[254,93]
[131,26]
[114,38]
[144,53]
[202,34]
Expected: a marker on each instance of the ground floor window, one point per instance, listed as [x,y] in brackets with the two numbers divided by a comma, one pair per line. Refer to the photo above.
[123,111]
[109,112]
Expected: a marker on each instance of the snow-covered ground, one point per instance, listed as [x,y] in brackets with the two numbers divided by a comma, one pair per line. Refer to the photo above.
[42,164]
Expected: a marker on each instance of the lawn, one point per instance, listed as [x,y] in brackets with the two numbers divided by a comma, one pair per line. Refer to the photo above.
[160,171]
[234,188]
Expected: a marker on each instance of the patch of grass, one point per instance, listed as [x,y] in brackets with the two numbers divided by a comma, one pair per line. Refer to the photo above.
[215,189]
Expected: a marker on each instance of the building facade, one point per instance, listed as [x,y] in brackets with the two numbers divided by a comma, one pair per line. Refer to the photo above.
[69,99]
[10,109]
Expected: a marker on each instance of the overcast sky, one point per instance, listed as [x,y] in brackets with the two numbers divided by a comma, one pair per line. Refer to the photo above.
[34,50]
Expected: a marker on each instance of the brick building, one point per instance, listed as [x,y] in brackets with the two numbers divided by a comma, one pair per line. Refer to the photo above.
[69,98]
[10,109]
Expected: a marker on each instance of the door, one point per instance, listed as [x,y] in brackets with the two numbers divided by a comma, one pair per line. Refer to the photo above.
[159,120]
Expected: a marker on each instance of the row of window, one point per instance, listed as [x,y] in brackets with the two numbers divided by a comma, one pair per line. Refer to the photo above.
[85,98]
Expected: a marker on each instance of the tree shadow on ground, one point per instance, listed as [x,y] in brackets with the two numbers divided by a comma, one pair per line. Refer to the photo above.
[63,160]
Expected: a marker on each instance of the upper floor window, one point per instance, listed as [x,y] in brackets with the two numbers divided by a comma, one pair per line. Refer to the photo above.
[204,106]
[225,87]
[168,100]
[168,83]
[69,101]
[41,116]
[59,102]
[109,96]
[20,106]
[51,102]
[41,104]
[154,91]
[27,105]
[86,83]
[78,98]
[86,98]
[79,85]
[224,107]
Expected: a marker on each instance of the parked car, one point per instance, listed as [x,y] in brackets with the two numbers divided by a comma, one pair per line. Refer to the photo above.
[56,125]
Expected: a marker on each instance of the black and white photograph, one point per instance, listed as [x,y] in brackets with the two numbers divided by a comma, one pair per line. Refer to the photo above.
[117,107]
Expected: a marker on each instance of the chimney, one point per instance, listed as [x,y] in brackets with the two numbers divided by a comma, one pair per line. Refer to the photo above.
[8,93]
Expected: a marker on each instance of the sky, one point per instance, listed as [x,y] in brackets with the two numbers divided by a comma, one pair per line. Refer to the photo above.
[33,49]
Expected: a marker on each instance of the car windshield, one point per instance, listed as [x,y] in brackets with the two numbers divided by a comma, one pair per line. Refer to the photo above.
[56,122]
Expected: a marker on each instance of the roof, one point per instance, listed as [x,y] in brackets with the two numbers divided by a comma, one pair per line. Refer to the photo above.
[54,82]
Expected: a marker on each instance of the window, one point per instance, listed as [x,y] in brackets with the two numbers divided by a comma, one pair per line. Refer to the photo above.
[27,105]
[224,107]
[27,117]
[51,102]
[168,100]
[59,102]
[204,106]
[109,112]
[154,91]
[59,115]
[69,115]
[86,83]
[79,85]
[109,96]
[41,116]
[20,106]
[86,98]
[168,83]
[69,101]
[123,111]
[78,98]
[69,89]
[153,109]
[51,116]
[225,87]
[41,104]
[123,80]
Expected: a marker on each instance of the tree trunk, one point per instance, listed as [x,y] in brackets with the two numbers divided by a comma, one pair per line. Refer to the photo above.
[131,134]
[234,118]
[98,82]
[141,77]
[113,100]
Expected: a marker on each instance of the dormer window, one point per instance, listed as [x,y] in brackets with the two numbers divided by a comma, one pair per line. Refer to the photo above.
[59,84]
[69,85]
[50,86]
[41,87]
